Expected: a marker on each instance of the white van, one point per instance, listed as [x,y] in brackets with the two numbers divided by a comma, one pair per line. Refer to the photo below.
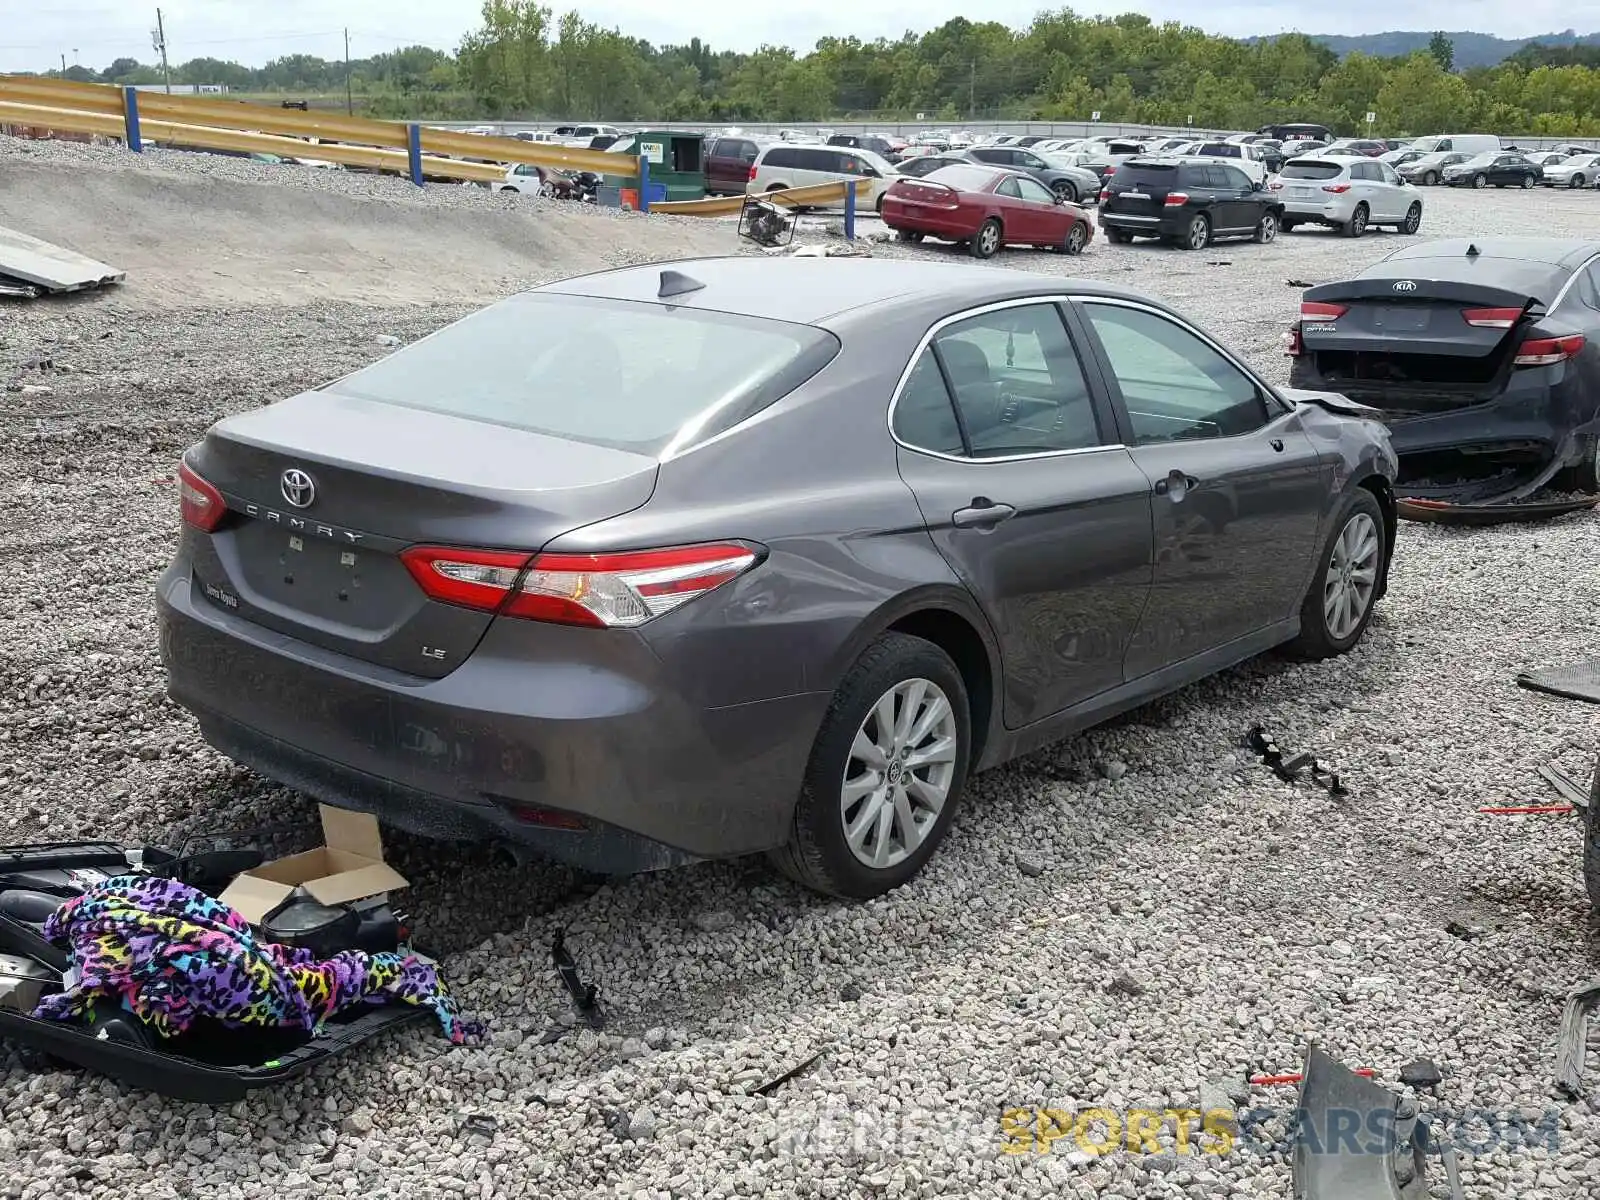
[1457,143]
[786,165]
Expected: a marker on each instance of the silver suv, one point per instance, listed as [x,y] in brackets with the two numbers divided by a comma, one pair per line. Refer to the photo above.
[1348,194]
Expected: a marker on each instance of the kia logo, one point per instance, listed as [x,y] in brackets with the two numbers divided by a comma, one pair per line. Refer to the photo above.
[297,488]
[1404,285]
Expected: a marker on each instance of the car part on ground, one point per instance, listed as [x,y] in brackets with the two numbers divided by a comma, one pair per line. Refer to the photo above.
[1290,768]
[1565,786]
[1442,512]
[684,658]
[1484,357]
[585,996]
[30,267]
[1572,1039]
[794,1072]
[1579,681]
[1591,840]
[765,223]
[1337,1107]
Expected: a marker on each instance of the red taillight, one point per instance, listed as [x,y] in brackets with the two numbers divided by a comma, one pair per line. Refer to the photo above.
[1176,199]
[599,590]
[1275,186]
[1292,344]
[1336,188]
[752,173]
[201,504]
[1105,194]
[1491,318]
[1318,310]
[1546,352]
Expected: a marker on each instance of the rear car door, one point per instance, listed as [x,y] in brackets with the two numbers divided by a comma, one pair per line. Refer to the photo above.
[1238,489]
[1030,497]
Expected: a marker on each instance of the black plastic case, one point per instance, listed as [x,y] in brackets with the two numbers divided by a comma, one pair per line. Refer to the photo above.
[210,1063]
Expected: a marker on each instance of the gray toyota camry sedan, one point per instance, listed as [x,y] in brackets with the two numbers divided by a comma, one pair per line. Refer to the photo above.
[742,554]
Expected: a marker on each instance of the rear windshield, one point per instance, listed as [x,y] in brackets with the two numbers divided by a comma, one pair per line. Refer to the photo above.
[963,177]
[1310,170]
[617,373]
[1157,174]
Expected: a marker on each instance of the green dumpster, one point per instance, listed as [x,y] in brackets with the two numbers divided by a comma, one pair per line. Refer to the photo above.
[677,162]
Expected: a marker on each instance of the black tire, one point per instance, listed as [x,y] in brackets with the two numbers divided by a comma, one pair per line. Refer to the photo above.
[1585,477]
[911,235]
[817,854]
[1117,237]
[1077,239]
[1480,181]
[877,205]
[1065,191]
[1198,236]
[1315,641]
[777,187]
[1266,228]
[1527,182]
[1577,181]
[1430,179]
[1357,224]
[1413,221]
[1591,842]
[988,240]
[1288,226]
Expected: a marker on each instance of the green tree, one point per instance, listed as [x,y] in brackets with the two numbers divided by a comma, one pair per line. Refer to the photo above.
[1443,51]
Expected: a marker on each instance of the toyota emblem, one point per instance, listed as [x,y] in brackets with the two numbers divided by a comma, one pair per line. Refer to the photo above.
[298,488]
[1404,285]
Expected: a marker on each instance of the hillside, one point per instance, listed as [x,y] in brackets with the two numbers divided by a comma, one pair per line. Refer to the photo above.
[1471,49]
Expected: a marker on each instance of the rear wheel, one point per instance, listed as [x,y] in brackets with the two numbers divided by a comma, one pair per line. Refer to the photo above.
[1357,224]
[1585,477]
[886,772]
[1344,590]
[1576,181]
[1413,221]
[878,204]
[1117,237]
[1065,191]
[987,241]
[911,235]
[1198,236]
[1289,226]
[1267,227]
[1077,238]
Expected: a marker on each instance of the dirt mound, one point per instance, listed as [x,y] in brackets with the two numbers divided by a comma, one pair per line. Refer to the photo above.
[196,239]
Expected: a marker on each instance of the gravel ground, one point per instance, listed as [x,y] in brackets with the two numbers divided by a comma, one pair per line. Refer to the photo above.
[1134,918]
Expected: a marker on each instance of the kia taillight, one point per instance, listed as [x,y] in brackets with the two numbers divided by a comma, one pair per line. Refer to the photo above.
[599,590]
[201,504]
[1336,188]
[1320,310]
[1293,346]
[1546,352]
[1491,318]
[1176,199]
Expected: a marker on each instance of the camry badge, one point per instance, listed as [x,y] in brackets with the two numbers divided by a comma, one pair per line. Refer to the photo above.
[298,488]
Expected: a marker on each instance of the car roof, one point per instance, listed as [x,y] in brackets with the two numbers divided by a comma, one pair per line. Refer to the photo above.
[1566,253]
[810,291]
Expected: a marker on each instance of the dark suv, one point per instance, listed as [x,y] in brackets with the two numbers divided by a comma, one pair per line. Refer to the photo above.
[1186,202]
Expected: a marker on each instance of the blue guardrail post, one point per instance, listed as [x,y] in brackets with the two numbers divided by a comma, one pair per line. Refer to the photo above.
[130,119]
[850,210]
[644,184]
[414,152]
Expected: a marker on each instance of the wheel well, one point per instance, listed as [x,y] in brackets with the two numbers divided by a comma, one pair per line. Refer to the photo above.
[1384,494]
[957,638]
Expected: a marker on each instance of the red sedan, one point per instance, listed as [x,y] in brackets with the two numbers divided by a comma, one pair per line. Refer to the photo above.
[985,207]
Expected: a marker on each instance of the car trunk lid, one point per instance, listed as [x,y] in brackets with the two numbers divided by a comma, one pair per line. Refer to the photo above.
[325,491]
[1412,347]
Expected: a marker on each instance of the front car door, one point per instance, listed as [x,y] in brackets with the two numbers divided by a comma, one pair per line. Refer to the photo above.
[1030,497]
[1021,222]
[1236,199]
[1390,186]
[1049,218]
[1238,489]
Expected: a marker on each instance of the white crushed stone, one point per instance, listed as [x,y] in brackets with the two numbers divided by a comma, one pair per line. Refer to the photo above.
[1190,918]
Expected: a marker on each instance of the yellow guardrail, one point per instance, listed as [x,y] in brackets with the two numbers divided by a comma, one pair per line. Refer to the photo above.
[727,206]
[211,123]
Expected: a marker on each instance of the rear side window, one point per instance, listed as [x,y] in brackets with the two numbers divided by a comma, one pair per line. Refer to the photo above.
[923,416]
[616,373]
[1310,170]
[779,156]
[964,177]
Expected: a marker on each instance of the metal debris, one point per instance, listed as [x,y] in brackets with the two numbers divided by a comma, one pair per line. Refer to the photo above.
[27,260]
[1573,1039]
[585,996]
[772,1085]
[1290,768]
[1440,512]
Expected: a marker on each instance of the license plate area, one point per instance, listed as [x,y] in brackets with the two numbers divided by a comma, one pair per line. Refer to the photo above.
[296,571]
[1401,318]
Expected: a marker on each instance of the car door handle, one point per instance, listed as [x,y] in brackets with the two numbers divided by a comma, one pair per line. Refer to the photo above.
[1177,485]
[982,513]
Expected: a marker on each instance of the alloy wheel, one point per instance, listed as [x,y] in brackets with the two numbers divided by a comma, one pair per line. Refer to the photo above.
[898,776]
[1075,240]
[1268,229]
[989,239]
[1066,192]
[1198,231]
[1413,218]
[1352,577]
[1480,181]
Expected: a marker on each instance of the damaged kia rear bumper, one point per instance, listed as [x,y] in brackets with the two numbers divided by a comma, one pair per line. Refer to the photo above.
[593,759]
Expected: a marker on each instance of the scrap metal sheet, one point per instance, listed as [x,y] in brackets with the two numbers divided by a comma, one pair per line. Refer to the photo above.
[51,267]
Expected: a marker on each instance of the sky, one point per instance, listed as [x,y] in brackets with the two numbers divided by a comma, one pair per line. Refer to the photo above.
[34,35]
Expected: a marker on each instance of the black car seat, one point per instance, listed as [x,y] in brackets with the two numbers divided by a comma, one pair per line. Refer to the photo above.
[973,382]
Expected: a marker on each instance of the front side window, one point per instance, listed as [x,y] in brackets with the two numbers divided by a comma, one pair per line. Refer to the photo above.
[1032,189]
[1174,385]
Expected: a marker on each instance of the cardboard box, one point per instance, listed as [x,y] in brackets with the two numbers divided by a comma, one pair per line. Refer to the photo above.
[348,866]
[22,982]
